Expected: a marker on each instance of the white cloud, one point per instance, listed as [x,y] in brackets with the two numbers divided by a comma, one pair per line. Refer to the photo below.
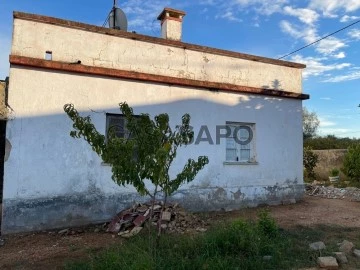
[340,55]
[354,33]
[309,34]
[229,15]
[326,98]
[305,15]
[142,14]
[348,18]
[266,7]
[330,7]
[233,10]
[291,29]
[330,45]
[315,66]
[326,123]
[342,78]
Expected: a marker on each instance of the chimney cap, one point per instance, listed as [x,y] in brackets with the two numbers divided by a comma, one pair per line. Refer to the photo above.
[175,13]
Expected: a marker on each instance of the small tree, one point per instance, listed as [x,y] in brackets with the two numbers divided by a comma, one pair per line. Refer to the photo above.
[310,160]
[351,167]
[310,124]
[146,155]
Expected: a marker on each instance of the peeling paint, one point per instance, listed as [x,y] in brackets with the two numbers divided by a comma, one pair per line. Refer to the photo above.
[82,209]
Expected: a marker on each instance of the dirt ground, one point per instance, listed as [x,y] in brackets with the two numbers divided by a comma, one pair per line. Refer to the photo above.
[49,250]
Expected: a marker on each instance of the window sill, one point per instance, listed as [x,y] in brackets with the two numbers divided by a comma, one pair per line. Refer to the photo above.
[240,163]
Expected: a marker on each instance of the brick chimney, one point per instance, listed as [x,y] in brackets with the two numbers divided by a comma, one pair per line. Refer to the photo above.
[171,23]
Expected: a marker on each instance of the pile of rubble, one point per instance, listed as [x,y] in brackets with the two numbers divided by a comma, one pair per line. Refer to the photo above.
[172,218]
[330,192]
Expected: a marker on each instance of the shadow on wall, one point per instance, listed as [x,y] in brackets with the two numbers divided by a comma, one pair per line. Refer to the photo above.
[51,175]
[42,147]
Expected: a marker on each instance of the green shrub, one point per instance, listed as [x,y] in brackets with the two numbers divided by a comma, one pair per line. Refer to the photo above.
[310,160]
[330,142]
[351,166]
[334,172]
[235,245]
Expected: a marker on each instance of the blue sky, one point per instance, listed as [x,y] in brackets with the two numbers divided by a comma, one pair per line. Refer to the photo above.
[270,28]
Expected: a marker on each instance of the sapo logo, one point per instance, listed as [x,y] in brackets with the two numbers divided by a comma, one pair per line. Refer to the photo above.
[222,132]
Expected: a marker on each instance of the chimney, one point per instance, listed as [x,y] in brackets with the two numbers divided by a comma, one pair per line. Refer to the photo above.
[171,23]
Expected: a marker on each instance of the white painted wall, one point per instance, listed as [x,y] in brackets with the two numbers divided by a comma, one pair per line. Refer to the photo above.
[48,171]
[33,39]
[45,161]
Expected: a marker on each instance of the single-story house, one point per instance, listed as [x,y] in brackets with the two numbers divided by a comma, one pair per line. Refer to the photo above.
[52,180]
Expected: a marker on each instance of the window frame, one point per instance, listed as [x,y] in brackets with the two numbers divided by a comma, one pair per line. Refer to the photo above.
[252,160]
[107,122]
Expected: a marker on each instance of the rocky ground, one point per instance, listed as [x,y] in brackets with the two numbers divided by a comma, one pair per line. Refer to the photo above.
[49,250]
[330,192]
[169,218]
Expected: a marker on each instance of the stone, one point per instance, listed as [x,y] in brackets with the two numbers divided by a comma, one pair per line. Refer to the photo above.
[163,226]
[156,207]
[139,220]
[341,257]
[166,216]
[96,230]
[123,232]
[346,246]
[327,263]
[142,209]
[267,258]
[317,246]
[132,233]
[147,213]
[2,242]
[356,253]
[63,232]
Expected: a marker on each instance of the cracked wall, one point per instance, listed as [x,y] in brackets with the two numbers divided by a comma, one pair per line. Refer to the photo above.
[53,180]
[70,45]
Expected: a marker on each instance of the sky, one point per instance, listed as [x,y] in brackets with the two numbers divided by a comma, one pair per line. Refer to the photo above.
[270,28]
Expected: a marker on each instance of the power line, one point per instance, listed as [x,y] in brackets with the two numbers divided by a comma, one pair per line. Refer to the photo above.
[320,39]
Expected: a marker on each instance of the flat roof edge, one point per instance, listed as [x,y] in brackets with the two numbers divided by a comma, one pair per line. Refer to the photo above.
[150,39]
[147,77]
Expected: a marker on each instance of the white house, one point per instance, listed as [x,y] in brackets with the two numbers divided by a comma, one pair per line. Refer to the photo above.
[52,180]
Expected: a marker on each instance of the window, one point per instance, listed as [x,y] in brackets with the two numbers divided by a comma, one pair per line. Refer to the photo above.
[116,123]
[48,55]
[240,145]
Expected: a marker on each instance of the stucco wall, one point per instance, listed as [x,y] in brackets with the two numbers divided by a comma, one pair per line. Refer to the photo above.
[53,180]
[33,39]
